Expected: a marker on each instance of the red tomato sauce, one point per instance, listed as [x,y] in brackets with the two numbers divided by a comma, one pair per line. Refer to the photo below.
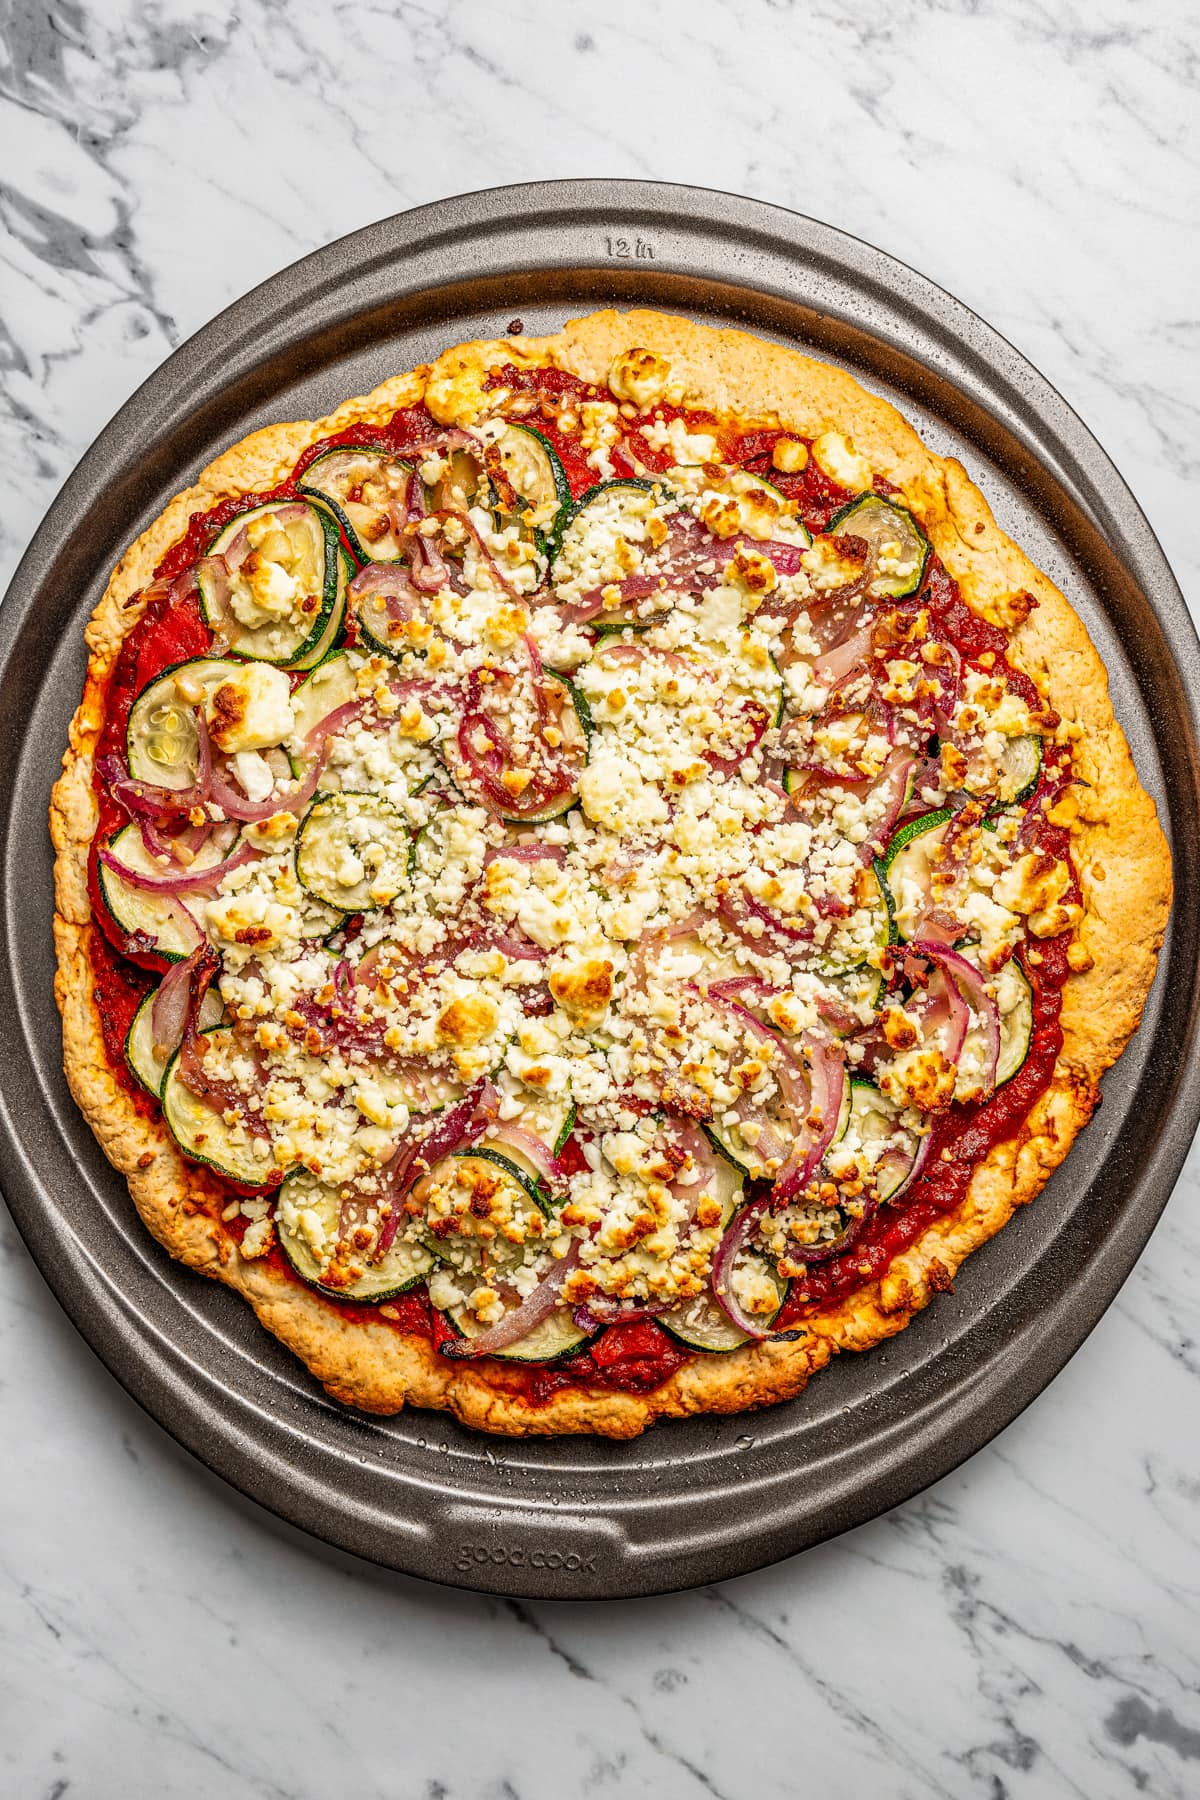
[639,1356]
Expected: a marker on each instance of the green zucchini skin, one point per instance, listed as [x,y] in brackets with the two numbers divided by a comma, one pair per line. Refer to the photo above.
[319,483]
[554,476]
[869,515]
[318,831]
[908,834]
[556,1336]
[204,1138]
[309,646]
[567,802]
[133,911]
[404,1267]
[208,673]
[143,1063]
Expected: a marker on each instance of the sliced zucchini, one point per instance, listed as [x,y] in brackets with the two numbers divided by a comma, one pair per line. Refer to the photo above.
[393,637]
[161,741]
[586,550]
[872,1129]
[900,546]
[335,624]
[565,1130]
[516,1167]
[1015,998]
[744,1160]
[352,851]
[203,1135]
[283,585]
[332,684]
[423,1091]
[307,1215]
[903,869]
[537,477]
[157,917]
[703,1324]
[361,487]
[862,983]
[1020,771]
[141,1053]
[468,1259]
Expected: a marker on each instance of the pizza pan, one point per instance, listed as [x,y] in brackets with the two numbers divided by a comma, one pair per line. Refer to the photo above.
[688,1502]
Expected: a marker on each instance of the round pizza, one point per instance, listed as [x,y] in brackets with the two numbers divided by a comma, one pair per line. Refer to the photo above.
[592,878]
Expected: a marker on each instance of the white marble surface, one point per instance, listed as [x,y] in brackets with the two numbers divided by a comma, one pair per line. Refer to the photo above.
[1030,1627]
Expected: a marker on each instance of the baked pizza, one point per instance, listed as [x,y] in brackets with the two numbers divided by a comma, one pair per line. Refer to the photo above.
[592,878]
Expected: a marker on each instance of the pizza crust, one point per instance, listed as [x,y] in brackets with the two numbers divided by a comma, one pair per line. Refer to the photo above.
[1119,848]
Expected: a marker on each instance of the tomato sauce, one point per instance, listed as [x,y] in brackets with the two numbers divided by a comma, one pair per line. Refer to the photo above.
[638,1356]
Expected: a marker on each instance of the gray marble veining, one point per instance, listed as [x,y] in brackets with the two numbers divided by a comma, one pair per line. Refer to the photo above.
[1031,1626]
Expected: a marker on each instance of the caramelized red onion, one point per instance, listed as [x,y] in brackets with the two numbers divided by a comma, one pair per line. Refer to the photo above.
[534,1150]
[972,987]
[170,1006]
[518,1323]
[192,881]
[235,804]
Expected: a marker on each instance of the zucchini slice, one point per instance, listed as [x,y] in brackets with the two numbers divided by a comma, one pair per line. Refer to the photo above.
[158,917]
[140,1052]
[1020,771]
[900,546]
[872,1129]
[361,487]
[744,1161]
[517,1168]
[577,728]
[586,553]
[161,741]
[306,1221]
[703,1324]
[538,479]
[286,572]
[557,1335]
[468,1259]
[903,869]
[203,1135]
[1015,997]
[332,685]
[352,851]
[336,621]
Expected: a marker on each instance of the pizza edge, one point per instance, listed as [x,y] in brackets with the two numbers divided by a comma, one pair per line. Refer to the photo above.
[1121,855]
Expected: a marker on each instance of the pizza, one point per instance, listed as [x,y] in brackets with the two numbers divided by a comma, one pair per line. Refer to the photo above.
[591,879]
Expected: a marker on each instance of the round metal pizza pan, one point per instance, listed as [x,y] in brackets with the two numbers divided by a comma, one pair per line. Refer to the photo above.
[688,1502]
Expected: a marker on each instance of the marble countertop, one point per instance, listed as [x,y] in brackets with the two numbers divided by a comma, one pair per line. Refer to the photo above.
[1028,1627]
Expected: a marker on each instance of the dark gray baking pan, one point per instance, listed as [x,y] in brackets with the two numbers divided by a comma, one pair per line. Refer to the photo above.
[689,1502]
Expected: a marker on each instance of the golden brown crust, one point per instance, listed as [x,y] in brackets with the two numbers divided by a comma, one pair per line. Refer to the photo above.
[1120,852]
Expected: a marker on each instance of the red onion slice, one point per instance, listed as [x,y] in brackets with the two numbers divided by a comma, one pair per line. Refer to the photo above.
[170,1006]
[525,853]
[235,804]
[193,882]
[534,1150]
[604,1309]
[517,1324]
[728,1251]
[827,1084]
[973,988]
[917,1165]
